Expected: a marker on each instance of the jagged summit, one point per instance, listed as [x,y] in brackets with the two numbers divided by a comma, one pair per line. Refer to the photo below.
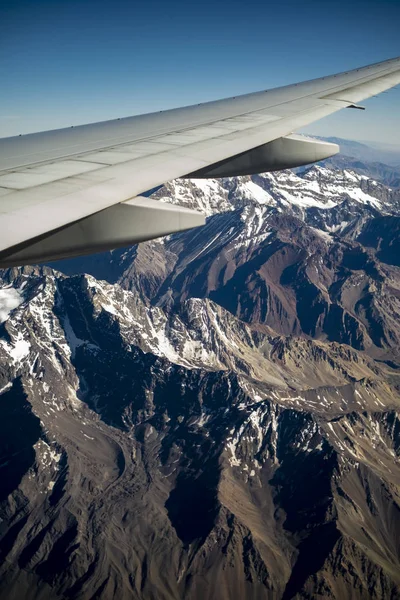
[315,187]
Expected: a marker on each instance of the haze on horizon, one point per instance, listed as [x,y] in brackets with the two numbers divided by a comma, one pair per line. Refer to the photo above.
[79,62]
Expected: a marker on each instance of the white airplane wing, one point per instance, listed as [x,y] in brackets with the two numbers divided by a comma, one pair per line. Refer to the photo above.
[80,190]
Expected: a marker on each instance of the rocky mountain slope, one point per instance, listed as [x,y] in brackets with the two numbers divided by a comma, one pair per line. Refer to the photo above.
[220,418]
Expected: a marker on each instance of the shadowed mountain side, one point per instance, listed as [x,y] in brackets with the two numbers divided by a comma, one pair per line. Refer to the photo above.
[222,418]
[190,436]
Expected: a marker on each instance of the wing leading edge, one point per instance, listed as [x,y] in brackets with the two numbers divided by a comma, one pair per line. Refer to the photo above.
[51,183]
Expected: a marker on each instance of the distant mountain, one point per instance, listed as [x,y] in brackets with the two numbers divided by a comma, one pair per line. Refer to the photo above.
[378,164]
[220,418]
[368,152]
[386,174]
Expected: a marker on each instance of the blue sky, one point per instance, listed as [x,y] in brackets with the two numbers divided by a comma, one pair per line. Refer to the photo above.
[70,62]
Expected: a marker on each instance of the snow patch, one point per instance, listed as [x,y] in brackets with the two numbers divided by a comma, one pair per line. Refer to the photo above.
[10,299]
[20,350]
[73,341]
[110,309]
[6,387]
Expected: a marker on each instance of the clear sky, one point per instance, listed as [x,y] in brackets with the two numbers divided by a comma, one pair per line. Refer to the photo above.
[68,62]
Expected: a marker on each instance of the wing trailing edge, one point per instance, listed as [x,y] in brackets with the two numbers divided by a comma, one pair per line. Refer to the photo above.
[124,224]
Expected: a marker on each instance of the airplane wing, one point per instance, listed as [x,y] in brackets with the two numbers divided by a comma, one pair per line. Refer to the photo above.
[80,190]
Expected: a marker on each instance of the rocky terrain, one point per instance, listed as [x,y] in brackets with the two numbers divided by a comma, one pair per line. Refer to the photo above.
[214,415]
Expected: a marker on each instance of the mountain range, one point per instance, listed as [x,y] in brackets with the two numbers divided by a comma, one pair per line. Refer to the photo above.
[214,414]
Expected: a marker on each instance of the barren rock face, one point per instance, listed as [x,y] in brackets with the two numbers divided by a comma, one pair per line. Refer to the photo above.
[220,418]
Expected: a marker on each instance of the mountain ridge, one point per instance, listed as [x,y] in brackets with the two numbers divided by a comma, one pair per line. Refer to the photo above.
[220,419]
